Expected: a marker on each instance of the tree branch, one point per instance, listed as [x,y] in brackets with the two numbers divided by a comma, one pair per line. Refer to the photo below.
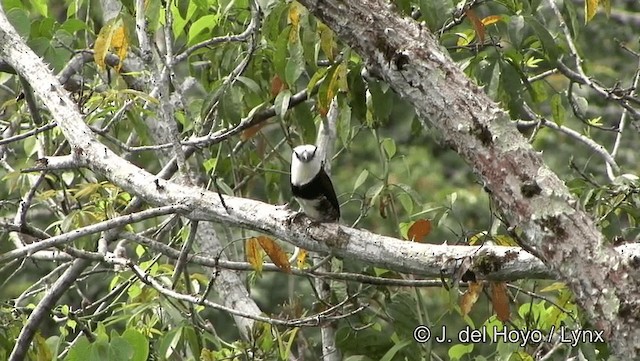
[409,58]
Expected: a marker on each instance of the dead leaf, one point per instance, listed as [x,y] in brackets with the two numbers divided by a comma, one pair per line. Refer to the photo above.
[275,252]
[470,297]
[476,23]
[500,300]
[252,131]
[419,230]
[277,85]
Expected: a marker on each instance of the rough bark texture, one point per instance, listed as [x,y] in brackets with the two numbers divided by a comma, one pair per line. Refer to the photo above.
[408,57]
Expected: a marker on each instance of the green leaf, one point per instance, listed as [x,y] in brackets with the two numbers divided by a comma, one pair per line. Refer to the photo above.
[317,76]
[571,17]
[281,55]
[381,101]
[41,7]
[168,343]
[515,30]
[435,13]
[456,352]
[138,343]
[581,106]
[20,21]
[406,201]
[207,22]
[295,64]
[389,356]
[549,45]
[281,103]
[179,21]
[389,147]
[79,351]
[557,109]
[361,179]
[183,7]
[538,91]
[344,121]
[250,84]
[192,341]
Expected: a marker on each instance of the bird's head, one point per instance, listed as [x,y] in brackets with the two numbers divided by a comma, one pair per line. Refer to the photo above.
[305,153]
[305,164]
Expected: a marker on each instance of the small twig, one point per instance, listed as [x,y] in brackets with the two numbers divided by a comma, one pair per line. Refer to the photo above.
[540,297]
[217,186]
[61,286]
[184,252]
[597,148]
[94,228]
[28,134]
[310,321]
[623,122]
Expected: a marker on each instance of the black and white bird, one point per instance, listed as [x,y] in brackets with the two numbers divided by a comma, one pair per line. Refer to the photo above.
[311,186]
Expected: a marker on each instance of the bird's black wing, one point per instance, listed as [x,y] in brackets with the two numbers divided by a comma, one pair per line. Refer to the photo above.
[331,193]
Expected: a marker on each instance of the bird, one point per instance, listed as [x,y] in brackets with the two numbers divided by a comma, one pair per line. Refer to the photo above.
[311,185]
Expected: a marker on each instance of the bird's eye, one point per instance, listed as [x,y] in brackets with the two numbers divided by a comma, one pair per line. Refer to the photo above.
[297,155]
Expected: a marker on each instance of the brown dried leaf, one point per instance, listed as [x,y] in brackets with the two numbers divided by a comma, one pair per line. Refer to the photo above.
[500,300]
[252,131]
[476,23]
[470,297]
[275,252]
[277,85]
[419,230]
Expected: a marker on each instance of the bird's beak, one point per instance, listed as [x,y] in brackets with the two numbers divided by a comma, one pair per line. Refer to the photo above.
[304,156]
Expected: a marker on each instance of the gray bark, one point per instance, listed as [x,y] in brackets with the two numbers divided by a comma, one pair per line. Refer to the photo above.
[408,57]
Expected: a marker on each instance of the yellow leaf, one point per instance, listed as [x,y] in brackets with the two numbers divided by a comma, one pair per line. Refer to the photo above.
[337,83]
[275,252]
[302,256]
[294,19]
[590,9]
[491,19]
[419,230]
[120,43]
[294,14]
[470,297]
[253,254]
[326,41]
[101,46]
[556,286]
[504,240]
[112,36]
[500,300]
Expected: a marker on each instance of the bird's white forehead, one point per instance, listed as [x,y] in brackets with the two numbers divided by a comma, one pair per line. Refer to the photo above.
[302,172]
[305,148]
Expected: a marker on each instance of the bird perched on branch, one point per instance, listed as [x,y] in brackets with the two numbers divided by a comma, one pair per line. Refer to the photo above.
[311,185]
